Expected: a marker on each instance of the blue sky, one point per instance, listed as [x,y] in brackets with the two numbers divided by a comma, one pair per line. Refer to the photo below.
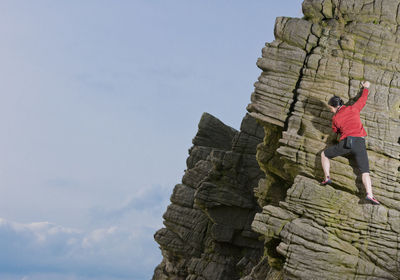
[99,103]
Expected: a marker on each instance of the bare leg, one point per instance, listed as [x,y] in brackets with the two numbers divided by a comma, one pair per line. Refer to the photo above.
[326,165]
[366,179]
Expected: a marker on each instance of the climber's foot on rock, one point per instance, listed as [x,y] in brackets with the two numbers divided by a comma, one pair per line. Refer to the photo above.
[372,199]
[327,181]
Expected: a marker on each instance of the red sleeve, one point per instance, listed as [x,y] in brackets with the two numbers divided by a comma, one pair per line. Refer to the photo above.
[334,127]
[360,103]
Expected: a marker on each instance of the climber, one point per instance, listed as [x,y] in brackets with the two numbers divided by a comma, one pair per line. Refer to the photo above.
[346,121]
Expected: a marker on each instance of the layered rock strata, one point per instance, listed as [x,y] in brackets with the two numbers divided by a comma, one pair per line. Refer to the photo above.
[307,231]
[330,232]
[207,232]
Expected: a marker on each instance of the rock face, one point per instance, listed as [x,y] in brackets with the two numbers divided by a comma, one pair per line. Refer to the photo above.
[207,232]
[326,232]
[308,231]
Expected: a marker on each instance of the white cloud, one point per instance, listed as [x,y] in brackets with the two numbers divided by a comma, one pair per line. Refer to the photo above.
[117,242]
[43,249]
[97,236]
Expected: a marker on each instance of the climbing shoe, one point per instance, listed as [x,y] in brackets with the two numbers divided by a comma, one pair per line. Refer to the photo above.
[372,200]
[327,181]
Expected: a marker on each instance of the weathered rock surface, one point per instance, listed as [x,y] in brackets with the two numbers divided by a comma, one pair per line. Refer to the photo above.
[309,231]
[207,232]
[330,232]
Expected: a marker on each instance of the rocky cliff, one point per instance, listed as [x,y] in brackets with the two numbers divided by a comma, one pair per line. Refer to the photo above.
[289,226]
[207,232]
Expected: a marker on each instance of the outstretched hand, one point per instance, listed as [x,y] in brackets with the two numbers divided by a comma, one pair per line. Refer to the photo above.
[365,84]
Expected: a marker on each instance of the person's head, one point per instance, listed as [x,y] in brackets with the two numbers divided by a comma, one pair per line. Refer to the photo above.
[334,103]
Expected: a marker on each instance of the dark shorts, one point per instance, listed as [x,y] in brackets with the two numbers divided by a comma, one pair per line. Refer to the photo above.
[358,149]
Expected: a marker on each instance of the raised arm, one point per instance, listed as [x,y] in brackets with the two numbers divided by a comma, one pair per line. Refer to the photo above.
[360,103]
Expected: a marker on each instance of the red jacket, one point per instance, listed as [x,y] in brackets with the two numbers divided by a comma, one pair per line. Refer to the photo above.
[347,121]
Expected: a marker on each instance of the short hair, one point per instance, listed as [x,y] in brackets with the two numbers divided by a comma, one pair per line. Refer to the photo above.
[335,101]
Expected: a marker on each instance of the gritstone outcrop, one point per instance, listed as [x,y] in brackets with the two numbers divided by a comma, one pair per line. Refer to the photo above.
[207,232]
[301,230]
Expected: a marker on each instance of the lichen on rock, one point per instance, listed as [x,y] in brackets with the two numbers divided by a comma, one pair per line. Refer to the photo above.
[331,232]
[250,205]
[207,232]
